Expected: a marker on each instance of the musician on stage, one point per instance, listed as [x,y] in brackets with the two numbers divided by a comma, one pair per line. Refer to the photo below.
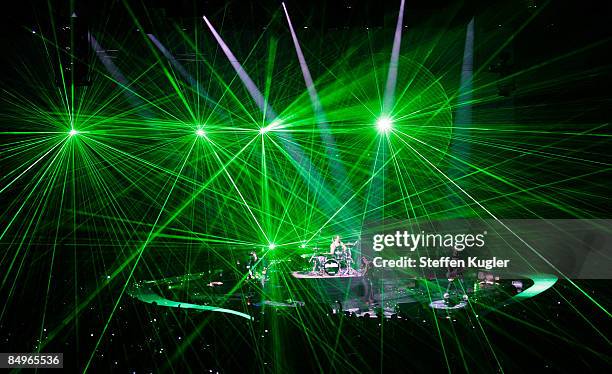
[257,268]
[337,245]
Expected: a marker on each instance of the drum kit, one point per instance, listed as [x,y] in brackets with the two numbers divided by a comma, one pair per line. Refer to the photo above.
[338,263]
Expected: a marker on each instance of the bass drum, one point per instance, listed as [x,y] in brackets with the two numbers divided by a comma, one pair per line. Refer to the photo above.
[331,267]
[340,255]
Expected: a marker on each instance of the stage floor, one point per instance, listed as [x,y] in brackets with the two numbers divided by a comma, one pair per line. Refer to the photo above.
[323,275]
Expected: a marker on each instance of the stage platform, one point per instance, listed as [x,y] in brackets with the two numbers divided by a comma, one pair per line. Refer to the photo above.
[319,275]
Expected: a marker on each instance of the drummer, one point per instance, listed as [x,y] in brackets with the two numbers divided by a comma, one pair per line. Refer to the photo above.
[337,245]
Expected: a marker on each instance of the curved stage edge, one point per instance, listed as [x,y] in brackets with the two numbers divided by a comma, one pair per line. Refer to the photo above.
[326,292]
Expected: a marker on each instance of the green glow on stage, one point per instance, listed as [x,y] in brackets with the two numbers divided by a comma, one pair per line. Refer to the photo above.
[541,282]
[150,297]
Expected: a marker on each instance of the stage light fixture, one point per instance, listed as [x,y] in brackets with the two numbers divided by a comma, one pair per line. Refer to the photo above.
[73,132]
[271,246]
[266,129]
[201,133]
[384,124]
[275,125]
